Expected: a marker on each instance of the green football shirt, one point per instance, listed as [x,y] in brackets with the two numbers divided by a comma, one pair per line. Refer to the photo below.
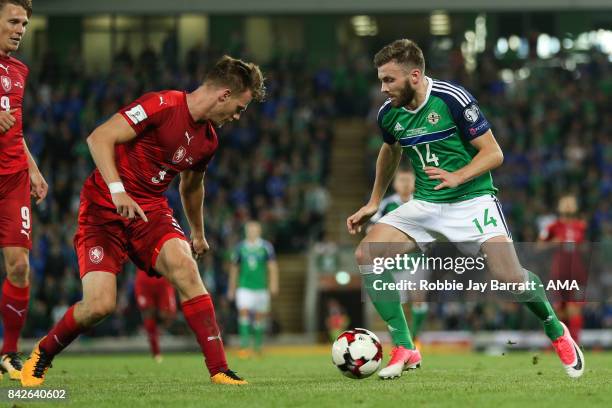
[438,134]
[252,260]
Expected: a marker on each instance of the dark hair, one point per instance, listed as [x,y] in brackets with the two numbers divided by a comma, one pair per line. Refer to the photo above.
[26,4]
[238,76]
[404,52]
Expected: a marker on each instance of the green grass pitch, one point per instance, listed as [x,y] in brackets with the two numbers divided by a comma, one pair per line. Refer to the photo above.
[308,379]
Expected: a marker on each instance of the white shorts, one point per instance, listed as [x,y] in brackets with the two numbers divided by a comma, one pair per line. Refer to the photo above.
[468,223]
[256,300]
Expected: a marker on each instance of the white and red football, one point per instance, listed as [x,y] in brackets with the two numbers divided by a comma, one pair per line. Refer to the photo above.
[357,353]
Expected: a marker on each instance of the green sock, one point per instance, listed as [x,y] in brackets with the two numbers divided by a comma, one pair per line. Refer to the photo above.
[536,301]
[419,312]
[258,333]
[244,332]
[388,306]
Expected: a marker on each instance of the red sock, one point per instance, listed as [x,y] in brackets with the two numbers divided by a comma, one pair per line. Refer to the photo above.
[200,315]
[62,334]
[574,325]
[150,326]
[14,309]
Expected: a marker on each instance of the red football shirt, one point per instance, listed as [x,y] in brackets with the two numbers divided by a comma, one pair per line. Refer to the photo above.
[568,262]
[13,76]
[565,231]
[168,142]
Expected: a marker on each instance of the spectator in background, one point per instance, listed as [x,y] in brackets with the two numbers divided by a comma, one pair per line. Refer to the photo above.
[540,166]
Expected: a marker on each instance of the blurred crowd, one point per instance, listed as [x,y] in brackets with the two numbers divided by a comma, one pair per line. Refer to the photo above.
[553,125]
[271,165]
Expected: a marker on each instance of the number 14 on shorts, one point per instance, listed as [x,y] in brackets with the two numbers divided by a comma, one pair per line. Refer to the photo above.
[486,221]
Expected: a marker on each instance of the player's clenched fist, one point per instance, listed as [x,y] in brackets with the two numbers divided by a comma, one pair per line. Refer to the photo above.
[199,246]
[126,207]
[7,120]
[356,221]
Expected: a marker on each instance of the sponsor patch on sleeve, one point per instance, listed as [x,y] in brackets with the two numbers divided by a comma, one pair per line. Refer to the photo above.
[137,114]
[478,129]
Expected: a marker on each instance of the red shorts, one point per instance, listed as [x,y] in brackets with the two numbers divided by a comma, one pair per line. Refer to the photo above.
[15,213]
[104,239]
[154,293]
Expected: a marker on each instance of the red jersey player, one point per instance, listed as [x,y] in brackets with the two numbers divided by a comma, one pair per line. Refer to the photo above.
[123,211]
[155,297]
[568,233]
[19,178]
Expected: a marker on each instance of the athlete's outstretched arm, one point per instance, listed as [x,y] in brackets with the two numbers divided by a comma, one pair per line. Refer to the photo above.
[38,183]
[386,165]
[191,189]
[101,144]
[489,157]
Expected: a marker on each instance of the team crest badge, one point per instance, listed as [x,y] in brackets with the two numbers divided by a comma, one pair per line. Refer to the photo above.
[96,254]
[433,118]
[6,83]
[179,155]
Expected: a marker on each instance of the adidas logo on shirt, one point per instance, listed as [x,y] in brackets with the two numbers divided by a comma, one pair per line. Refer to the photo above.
[398,127]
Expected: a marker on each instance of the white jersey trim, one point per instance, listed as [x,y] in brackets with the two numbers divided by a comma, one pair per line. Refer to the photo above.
[455,92]
[455,88]
[388,101]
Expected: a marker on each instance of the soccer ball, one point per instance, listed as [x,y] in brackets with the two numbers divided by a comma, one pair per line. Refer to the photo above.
[357,353]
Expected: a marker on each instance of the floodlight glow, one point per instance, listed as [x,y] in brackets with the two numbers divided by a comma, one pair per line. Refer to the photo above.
[343,278]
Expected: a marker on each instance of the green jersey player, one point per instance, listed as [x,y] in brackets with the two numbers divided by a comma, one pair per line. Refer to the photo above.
[451,146]
[253,277]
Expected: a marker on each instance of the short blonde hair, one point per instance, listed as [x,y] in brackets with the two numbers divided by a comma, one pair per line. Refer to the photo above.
[238,76]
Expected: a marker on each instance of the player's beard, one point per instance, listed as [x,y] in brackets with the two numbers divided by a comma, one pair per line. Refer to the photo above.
[405,97]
